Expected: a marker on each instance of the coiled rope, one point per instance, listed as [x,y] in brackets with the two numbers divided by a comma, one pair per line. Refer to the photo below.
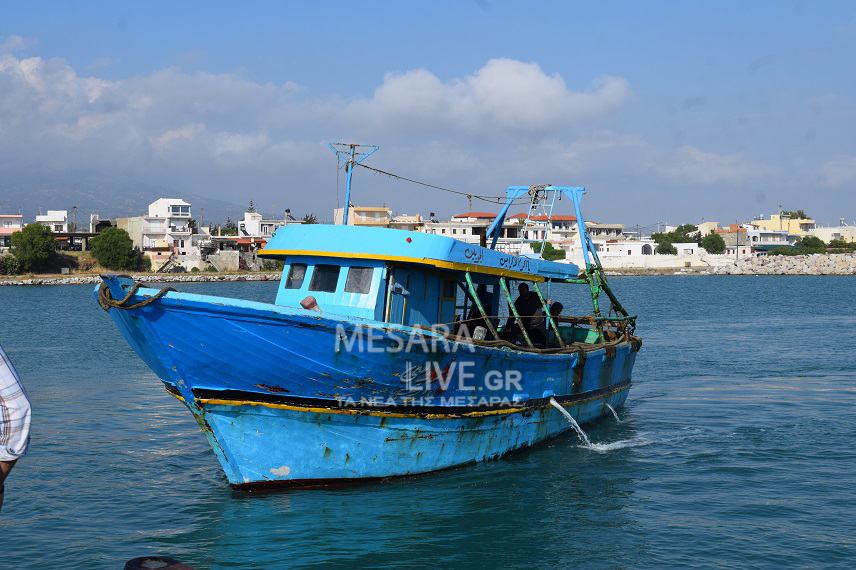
[106,300]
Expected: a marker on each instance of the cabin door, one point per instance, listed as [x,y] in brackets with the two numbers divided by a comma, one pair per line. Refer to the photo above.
[448,298]
[399,283]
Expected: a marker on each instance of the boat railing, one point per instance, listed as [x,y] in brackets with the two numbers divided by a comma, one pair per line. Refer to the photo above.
[611,338]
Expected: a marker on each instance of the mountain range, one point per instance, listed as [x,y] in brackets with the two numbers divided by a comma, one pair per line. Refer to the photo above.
[31,194]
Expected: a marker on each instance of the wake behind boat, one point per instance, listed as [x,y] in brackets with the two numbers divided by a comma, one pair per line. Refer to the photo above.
[384,354]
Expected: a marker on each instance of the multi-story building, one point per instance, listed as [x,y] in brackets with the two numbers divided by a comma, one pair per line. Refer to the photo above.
[167,226]
[471,227]
[518,232]
[763,240]
[55,220]
[409,222]
[736,240]
[9,224]
[165,232]
[364,216]
[841,232]
[706,228]
[783,222]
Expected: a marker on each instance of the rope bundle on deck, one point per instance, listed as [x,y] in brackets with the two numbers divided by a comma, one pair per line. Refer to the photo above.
[106,300]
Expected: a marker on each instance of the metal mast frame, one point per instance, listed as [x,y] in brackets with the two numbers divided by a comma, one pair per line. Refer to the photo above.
[349,155]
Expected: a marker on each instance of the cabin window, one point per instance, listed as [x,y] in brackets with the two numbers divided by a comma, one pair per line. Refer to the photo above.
[359,280]
[296,274]
[324,278]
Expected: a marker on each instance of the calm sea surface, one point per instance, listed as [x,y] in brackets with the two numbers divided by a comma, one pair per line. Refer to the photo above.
[737,447]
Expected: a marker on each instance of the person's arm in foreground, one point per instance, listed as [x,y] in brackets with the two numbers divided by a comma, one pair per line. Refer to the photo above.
[14,419]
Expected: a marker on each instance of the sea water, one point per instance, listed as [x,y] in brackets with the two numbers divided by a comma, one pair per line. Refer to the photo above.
[736,448]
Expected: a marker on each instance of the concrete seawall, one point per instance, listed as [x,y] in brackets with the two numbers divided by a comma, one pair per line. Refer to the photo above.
[817,264]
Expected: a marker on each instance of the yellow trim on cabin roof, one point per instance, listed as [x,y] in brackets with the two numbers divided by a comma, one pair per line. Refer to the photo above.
[453,265]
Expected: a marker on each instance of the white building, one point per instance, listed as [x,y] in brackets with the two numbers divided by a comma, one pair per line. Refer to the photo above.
[518,232]
[55,220]
[763,240]
[625,247]
[165,232]
[255,225]
[167,227]
[688,249]
[738,250]
[842,231]
[471,227]
[9,224]
[642,254]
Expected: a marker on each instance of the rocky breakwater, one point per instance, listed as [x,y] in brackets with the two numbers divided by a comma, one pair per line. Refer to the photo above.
[816,264]
[143,278]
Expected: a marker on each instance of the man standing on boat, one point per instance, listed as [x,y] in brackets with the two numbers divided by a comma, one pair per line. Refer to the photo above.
[527,306]
[14,419]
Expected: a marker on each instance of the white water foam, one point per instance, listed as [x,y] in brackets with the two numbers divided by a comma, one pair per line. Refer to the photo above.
[572,421]
[621,444]
[614,413]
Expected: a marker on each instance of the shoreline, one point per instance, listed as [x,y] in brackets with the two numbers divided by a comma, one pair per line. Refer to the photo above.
[94,278]
[815,264]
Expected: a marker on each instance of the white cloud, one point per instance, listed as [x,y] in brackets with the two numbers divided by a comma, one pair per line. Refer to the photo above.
[49,108]
[839,171]
[14,43]
[232,138]
[504,95]
[693,165]
[186,133]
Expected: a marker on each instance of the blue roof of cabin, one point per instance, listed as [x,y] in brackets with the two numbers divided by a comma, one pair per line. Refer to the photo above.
[409,247]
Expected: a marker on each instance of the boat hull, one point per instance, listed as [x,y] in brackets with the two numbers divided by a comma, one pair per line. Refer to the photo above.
[283,402]
[271,445]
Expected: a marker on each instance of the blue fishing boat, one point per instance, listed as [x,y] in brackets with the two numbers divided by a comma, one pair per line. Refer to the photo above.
[386,353]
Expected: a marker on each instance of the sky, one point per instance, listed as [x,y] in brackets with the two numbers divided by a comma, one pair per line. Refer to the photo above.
[666,111]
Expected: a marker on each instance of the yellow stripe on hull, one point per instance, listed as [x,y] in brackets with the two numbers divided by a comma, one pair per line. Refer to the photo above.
[381,413]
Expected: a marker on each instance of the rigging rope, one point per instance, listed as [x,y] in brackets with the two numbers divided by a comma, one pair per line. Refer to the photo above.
[468,195]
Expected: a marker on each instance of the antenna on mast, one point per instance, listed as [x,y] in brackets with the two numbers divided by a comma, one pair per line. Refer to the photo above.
[349,155]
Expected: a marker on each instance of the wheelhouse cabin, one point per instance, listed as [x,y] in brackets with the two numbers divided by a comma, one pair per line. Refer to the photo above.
[406,278]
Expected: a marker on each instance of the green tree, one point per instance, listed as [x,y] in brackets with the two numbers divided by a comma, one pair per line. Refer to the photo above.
[713,243]
[550,253]
[230,228]
[34,247]
[114,249]
[806,246]
[665,248]
[685,233]
[796,214]
[841,245]
[310,219]
[813,243]
[9,265]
